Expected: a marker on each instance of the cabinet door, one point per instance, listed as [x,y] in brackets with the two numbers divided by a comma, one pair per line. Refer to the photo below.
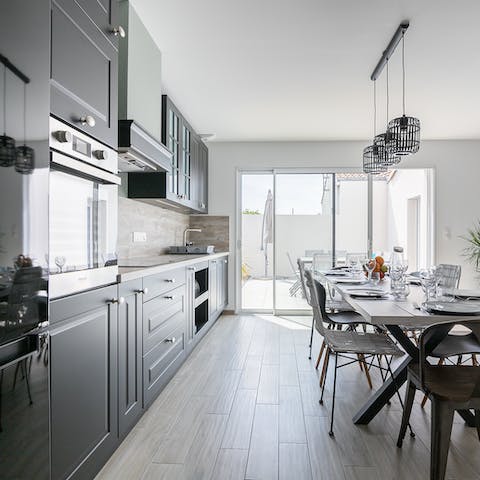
[102,12]
[172,138]
[83,387]
[84,72]
[222,283]
[129,355]
[213,288]
[203,177]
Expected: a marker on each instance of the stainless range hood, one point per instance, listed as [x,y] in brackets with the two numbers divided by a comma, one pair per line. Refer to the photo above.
[138,151]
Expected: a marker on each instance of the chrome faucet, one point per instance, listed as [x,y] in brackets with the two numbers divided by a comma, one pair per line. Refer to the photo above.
[189,230]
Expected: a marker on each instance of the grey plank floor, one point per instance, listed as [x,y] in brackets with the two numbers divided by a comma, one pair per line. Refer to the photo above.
[245,406]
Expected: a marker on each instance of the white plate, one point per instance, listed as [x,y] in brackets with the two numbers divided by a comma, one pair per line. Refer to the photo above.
[367,293]
[453,308]
[461,293]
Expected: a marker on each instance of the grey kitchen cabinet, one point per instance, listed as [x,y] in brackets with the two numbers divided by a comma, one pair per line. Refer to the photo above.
[200,175]
[84,66]
[164,347]
[83,383]
[218,286]
[130,341]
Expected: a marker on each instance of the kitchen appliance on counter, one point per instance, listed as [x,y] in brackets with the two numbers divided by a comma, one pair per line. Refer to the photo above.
[139,151]
[82,213]
[24,164]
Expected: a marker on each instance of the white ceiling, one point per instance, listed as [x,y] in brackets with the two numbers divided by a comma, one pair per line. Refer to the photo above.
[299,69]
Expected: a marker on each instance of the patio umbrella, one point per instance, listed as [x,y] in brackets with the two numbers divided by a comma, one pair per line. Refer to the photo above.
[267,227]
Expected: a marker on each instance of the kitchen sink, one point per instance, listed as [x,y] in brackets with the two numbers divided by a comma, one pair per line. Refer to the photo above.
[192,249]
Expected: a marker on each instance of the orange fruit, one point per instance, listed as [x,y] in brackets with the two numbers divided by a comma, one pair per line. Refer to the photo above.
[380,260]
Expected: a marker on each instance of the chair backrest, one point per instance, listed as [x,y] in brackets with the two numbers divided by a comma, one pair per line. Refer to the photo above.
[448,276]
[301,270]
[433,335]
[318,297]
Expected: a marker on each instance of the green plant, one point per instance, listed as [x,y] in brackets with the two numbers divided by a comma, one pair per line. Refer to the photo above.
[472,250]
[248,211]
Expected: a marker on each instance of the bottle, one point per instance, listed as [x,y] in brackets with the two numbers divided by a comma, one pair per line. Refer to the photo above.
[398,267]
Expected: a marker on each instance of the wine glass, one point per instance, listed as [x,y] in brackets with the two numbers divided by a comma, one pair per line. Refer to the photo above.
[369,265]
[60,262]
[429,282]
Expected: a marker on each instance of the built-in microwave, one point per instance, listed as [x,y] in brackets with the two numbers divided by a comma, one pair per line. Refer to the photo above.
[83,212]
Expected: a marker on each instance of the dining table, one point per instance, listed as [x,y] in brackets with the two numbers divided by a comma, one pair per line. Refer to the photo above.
[398,316]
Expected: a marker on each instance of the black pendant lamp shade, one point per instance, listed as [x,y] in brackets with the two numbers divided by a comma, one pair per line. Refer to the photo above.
[404,135]
[403,132]
[25,156]
[7,144]
[371,160]
[385,157]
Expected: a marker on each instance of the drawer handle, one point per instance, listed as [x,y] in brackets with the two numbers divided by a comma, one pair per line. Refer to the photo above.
[118,300]
[170,280]
[169,297]
[144,291]
[170,340]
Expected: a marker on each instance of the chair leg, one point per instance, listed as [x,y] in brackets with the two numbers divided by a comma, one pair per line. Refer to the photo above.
[324,374]
[333,396]
[360,363]
[322,348]
[477,422]
[324,368]
[27,381]
[441,427]
[311,339]
[474,360]
[365,369]
[441,361]
[407,410]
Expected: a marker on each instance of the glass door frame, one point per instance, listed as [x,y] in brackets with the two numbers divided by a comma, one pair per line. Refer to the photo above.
[431,227]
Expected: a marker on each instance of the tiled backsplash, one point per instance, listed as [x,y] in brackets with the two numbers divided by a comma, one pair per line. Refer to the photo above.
[164,228]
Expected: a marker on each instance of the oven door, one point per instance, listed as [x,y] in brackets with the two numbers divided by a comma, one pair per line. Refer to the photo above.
[82,226]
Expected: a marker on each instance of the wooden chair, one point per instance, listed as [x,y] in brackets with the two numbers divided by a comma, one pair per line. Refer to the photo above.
[341,343]
[449,388]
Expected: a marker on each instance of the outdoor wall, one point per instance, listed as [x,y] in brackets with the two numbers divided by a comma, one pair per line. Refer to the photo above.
[457,196]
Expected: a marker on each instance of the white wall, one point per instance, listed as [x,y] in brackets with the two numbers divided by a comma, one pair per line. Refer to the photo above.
[457,172]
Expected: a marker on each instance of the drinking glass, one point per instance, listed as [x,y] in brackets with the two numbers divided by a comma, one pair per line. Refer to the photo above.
[369,266]
[375,278]
[429,283]
[60,262]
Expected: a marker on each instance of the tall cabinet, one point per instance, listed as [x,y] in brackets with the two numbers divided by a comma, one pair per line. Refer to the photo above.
[84,66]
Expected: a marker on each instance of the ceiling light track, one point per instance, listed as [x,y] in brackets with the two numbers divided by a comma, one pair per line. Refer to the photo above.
[388,52]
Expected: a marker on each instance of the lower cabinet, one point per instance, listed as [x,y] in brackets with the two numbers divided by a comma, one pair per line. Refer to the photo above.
[83,383]
[218,286]
[130,374]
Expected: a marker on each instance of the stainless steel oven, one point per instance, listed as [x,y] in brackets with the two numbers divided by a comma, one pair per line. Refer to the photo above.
[82,212]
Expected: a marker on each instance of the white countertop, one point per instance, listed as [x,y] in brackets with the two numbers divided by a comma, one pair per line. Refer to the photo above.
[135,268]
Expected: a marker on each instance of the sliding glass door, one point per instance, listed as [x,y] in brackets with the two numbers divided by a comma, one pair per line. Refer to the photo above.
[303,227]
[285,215]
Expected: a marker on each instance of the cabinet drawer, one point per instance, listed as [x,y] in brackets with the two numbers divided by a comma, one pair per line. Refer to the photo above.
[161,316]
[160,364]
[163,282]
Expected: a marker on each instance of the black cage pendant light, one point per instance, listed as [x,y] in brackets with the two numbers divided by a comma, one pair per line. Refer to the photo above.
[7,144]
[372,155]
[25,159]
[387,158]
[403,132]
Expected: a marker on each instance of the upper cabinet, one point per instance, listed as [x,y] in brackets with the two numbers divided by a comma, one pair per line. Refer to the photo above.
[84,66]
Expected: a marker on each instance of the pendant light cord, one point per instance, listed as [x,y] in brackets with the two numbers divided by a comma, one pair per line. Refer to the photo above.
[24,114]
[403,71]
[4,100]
[388,93]
[374,108]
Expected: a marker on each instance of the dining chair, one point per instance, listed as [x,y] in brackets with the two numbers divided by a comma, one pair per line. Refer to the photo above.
[343,343]
[449,387]
[448,276]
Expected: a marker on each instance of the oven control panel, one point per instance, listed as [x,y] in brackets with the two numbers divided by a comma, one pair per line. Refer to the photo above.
[74,143]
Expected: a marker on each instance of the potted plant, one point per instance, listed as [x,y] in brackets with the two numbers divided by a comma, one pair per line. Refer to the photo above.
[472,250]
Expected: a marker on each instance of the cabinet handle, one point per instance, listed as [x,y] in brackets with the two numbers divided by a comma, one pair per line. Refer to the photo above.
[170,280]
[87,120]
[118,300]
[118,31]
[170,340]
[144,291]
[191,268]
[169,297]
